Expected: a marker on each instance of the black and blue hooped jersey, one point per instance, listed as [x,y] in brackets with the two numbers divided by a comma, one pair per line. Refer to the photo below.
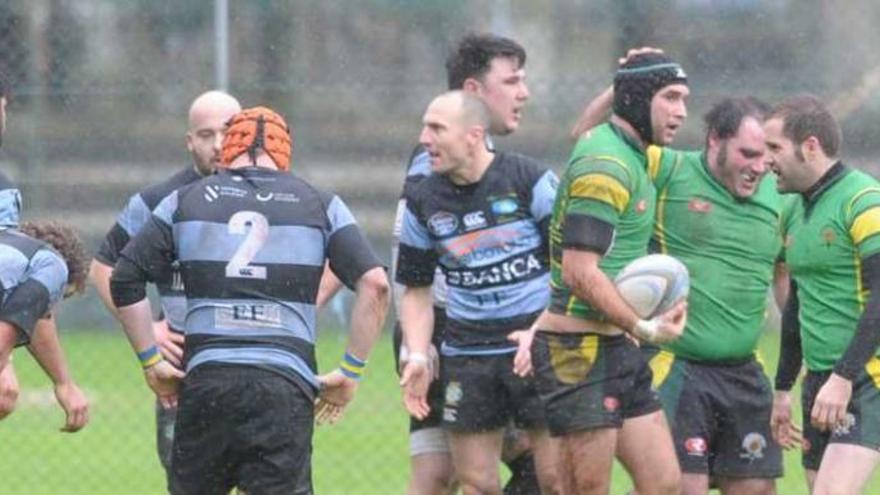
[251,244]
[10,203]
[32,279]
[490,240]
[130,221]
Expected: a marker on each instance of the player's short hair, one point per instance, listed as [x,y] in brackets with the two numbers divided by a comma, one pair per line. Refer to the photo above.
[473,55]
[725,117]
[805,115]
[475,111]
[67,243]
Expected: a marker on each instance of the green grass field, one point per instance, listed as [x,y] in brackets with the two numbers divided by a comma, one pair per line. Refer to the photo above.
[366,453]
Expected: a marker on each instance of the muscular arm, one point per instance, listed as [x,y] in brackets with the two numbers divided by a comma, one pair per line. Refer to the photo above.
[594,113]
[581,273]
[46,350]
[417,318]
[369,311]
[330,285]
[99,274]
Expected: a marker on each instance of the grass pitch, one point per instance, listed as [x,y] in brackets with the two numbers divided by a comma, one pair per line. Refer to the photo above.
[366,453]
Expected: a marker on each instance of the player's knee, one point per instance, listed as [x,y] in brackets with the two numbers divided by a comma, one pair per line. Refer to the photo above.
[667,482]
[475,481]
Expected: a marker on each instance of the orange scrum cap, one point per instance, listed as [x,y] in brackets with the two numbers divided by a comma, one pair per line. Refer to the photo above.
[258,128]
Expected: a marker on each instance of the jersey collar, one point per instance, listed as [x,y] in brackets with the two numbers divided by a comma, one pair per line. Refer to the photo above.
[626,138]
[834,174]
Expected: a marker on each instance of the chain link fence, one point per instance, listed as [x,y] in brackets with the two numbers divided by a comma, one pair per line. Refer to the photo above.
[100,92]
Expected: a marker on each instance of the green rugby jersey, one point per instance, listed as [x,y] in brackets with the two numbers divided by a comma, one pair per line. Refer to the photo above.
[729,245]
[826,239]
[606,178]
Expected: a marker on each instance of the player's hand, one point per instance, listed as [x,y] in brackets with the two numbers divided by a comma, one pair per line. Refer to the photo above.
[164,379]
[433,360]
[671,323]
[415,379]
[75,405]
[337,390]
[522,361]
[170,343]
[9,390]
[829,409]
[632,52]
[785,432]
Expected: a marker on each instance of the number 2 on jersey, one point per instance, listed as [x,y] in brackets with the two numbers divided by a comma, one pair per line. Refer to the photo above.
[255,227]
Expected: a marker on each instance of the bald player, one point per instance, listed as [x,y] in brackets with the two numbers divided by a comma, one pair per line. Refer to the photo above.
[482,217]
[208,115]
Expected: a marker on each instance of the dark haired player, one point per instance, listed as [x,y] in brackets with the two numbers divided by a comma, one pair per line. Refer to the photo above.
[40,264]
[595,383]
[832,317]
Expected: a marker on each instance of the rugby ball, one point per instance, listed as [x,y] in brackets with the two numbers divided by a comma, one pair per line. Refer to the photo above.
[653,284]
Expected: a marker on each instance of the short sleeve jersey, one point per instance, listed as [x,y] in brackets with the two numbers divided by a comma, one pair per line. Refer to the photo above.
[827,239]
[729,245]
[489,239]
[130,221]
[251,244]
[606,178]
[32,280]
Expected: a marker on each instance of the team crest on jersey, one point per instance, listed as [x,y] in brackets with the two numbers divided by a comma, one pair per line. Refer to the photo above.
[442,223]
[214,192]
[698,205]
[828,236]
[753,446]
[610,403]
[641,206]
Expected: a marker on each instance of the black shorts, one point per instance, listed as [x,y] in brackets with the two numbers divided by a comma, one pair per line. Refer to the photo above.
[242,426]
[165,419]
[862,425]
[481,393]
[720,416]
[435,390]
[590,381]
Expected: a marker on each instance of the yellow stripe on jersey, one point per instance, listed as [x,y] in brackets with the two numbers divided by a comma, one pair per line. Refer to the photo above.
[601,187]
[571,365]
[873,370]
[865,225]
[654,153]
[661,365]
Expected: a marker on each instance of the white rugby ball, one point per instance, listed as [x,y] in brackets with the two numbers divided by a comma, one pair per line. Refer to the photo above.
[653,284]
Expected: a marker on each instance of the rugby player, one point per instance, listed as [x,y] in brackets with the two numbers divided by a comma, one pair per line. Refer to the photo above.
[208,115]
[40,264]
[241,237]
[595,383]
[714,392]
[832,317]
[481,216]
[493,69]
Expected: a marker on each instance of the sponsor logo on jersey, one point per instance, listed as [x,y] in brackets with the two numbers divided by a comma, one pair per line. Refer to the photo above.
[695,446]
[474,220]
[264,196]
[505,206]
[213,192]
[698,205]
[512,270]
[753,446]
[641,206]
[442,223]
[248,316]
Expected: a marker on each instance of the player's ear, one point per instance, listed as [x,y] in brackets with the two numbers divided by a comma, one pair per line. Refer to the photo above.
[472,86]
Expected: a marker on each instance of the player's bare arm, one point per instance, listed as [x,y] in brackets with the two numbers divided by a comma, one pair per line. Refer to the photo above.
[417,320]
